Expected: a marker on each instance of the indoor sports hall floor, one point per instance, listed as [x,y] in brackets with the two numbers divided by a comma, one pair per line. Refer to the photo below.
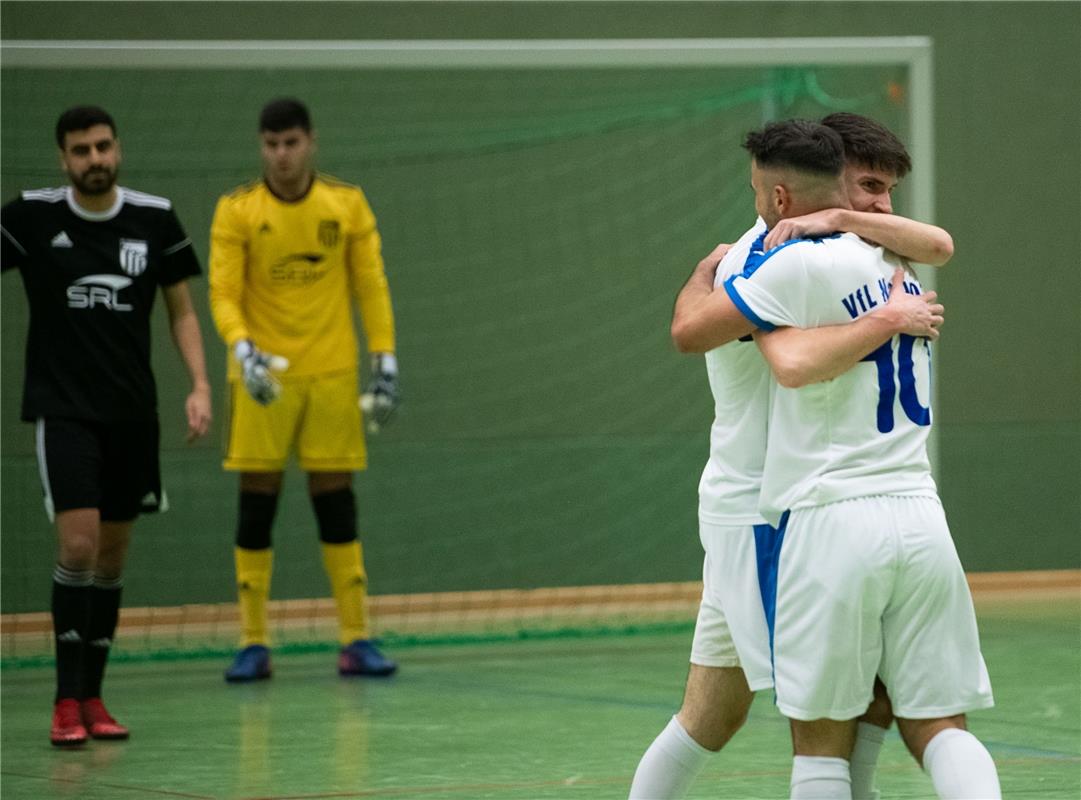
[563,717]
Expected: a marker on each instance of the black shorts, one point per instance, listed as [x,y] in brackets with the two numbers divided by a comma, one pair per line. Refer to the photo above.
[112,467]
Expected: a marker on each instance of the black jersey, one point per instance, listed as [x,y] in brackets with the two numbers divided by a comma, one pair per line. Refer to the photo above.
[91,279]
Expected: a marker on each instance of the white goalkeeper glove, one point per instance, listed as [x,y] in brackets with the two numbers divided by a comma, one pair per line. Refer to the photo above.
[258,369]
[383,396]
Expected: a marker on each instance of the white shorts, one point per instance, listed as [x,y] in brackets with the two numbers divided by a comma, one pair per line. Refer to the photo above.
[874,586]
[731,628]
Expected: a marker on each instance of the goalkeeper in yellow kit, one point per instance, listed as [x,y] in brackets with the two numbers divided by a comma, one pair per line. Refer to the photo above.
[288,257]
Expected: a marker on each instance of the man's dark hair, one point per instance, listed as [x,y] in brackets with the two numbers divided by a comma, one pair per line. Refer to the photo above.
[80,118]
[798,143]
[870,143]
[284,113]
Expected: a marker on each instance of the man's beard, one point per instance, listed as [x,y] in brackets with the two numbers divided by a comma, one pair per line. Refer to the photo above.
[95,181]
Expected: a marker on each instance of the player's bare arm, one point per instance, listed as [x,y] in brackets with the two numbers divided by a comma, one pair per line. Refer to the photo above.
[184,326]
[916,241]
[704,318]
[799,356]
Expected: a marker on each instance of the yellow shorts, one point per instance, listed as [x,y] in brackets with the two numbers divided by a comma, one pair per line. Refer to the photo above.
[318,415]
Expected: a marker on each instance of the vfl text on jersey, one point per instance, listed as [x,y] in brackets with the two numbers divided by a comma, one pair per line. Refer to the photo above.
[862,300]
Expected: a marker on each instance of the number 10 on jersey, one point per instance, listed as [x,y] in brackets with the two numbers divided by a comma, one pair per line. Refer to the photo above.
[905,379]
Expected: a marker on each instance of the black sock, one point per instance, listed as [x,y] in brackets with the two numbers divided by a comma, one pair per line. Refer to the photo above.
[71,615]
[104,612]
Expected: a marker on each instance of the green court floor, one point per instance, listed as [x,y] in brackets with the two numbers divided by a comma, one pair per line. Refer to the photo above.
[565,717]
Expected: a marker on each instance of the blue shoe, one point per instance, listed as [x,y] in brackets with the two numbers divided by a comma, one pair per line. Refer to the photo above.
[362,658]
[251,664]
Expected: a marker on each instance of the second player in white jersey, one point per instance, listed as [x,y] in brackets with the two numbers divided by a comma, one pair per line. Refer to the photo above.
[739,379]
[865,432]
[731,627]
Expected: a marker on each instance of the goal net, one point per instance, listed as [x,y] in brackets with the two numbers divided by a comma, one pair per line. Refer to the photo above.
[539,213]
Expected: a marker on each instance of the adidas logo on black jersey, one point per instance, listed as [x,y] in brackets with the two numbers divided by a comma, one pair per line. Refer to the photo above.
[62,240]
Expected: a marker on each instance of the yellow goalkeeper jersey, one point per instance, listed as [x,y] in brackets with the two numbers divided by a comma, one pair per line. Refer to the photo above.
[285,275]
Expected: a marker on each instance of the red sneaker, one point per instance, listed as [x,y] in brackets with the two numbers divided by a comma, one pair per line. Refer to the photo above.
[67,730]
[99,722]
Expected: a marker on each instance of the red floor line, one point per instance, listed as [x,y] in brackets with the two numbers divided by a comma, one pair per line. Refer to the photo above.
[155,792]
[393,791]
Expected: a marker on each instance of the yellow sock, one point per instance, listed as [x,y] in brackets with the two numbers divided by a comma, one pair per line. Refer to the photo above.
[253,590]
[344,564]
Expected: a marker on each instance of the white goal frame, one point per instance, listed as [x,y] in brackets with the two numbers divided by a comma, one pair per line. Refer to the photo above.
[913,52]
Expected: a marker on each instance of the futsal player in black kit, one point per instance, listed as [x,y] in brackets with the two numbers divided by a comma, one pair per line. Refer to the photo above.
[92,257]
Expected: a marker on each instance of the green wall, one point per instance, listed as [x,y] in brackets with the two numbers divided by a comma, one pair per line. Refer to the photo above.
[503,480]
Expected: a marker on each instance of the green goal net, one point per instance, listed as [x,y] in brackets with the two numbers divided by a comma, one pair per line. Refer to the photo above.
[538,221]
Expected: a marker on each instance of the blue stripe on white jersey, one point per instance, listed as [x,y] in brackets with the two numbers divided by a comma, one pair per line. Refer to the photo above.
[755,259]
[768,542]
[745,309]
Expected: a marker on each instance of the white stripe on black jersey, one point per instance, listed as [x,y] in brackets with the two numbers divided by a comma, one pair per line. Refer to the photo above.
[185,242]
[95,216]
[144,199]
[133,196]
[12,239]
[46,195]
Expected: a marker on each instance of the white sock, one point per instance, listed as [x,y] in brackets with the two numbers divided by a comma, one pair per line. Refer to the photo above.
[960,767]
[864,759]
[820,778]
[669,766]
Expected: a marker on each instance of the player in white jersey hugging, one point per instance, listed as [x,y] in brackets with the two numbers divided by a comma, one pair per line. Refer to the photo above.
[865,576]
[731,652]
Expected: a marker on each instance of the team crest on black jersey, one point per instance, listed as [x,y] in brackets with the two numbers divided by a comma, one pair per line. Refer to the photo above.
[133,254]
[329,232]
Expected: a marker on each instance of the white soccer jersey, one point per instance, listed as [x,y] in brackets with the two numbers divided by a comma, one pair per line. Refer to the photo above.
[865,432]
[739,379]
